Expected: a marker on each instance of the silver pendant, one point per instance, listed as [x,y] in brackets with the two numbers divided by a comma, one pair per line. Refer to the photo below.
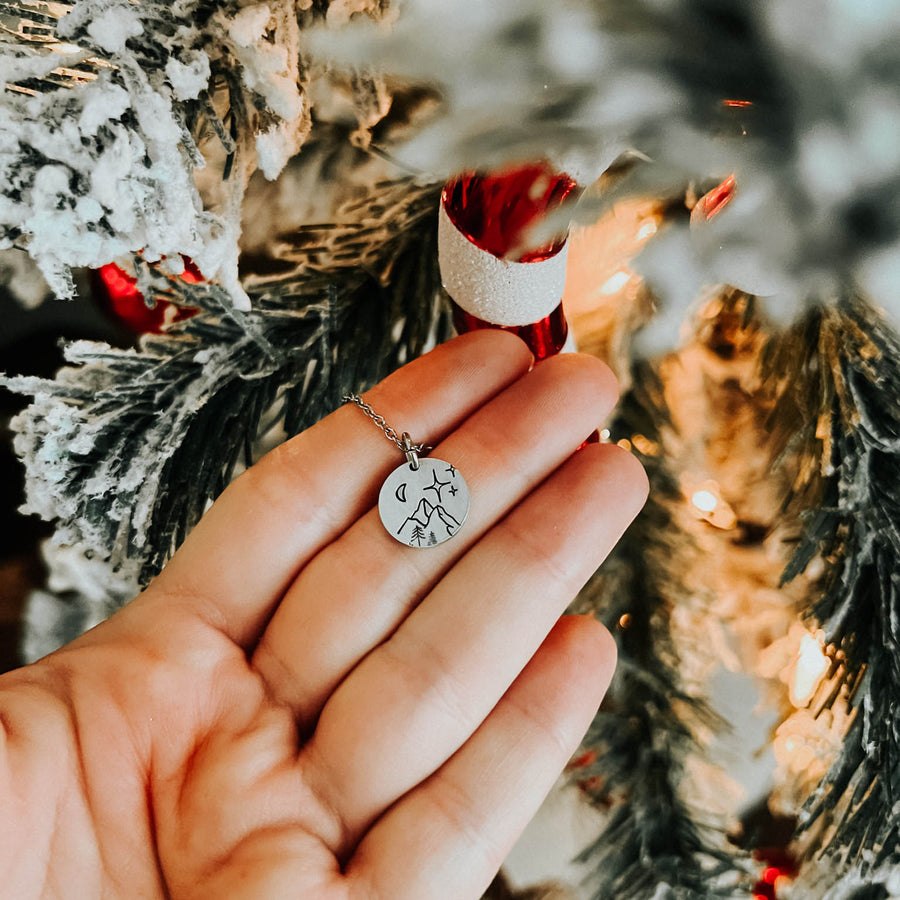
[424,502]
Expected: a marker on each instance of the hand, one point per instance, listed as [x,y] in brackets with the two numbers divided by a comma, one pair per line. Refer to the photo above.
[299,706]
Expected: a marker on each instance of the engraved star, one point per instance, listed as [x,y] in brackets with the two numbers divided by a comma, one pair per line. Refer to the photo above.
[453,491]
[450,471]
[436,486]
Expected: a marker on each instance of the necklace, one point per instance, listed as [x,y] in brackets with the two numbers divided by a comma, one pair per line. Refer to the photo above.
[424,501]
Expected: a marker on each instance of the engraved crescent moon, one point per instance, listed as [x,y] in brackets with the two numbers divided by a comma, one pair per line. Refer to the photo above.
[400,493]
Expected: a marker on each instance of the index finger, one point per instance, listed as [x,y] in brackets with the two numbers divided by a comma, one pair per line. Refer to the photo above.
[239,560]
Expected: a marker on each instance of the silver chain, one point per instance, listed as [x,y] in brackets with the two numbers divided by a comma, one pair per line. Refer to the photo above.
[403,445]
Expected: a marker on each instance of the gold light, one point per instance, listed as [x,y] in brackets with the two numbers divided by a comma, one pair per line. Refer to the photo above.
[615,282]
[706,502]
[809,669]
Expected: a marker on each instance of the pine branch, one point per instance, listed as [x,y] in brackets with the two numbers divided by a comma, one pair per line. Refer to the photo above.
[500,889]
[126,448]
[110,107]
[839,375]
[645,728]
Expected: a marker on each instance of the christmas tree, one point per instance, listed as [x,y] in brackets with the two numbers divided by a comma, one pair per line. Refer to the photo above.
[257,187]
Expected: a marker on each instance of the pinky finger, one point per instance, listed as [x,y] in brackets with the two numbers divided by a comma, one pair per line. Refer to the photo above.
[449,836]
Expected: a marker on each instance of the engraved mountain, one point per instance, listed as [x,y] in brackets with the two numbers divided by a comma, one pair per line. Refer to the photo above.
[416,528]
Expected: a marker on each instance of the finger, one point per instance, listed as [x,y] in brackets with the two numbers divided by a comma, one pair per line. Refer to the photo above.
[359,588]
[423,692]
[461,823]
[243,554]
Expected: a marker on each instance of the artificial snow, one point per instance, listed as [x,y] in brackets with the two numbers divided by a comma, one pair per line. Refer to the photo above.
[274,148]
[249,25]
[112,28]
[188,76]
[105,168]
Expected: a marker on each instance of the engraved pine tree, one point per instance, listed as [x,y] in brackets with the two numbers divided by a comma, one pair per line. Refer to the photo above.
[418,535]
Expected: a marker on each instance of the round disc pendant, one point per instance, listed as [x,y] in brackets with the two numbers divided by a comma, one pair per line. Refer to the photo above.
[424,507]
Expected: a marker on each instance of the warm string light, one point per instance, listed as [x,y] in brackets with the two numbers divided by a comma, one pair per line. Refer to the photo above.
[600,285]
[780,870]
[773,880]
[616,282]
[647,230]
[801,660]
[706,502]
[806,741]
[811,666]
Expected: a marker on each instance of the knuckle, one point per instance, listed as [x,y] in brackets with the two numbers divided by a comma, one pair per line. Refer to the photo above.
[540,556]
[423,671]
[282,479]
[453,804]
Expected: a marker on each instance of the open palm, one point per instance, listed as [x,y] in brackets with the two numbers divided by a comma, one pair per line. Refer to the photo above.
[300,706]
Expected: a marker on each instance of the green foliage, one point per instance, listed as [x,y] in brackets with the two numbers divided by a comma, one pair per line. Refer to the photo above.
[646,725]
[838,374]
[126,448]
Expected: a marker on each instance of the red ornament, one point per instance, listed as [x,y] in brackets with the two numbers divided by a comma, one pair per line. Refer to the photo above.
[496,211]
[779,865]
[545,338]
[714,201]
[583,760]
[123,301]
[492,288]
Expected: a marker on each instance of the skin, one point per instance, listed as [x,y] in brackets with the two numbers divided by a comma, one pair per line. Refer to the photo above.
[300,706]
